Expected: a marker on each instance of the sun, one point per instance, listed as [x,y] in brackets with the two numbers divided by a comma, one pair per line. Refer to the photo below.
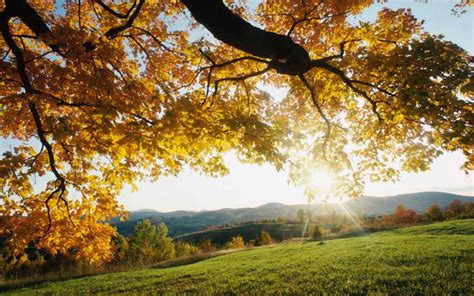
[322,180]
[322,184]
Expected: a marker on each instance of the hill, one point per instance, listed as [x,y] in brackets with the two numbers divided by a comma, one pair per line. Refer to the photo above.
[182,222]
[251,231]
[434,259]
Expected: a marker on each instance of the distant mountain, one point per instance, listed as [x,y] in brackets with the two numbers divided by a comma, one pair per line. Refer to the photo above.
[182,222]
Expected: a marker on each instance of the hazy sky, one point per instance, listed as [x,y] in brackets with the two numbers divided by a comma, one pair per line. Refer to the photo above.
[252,185]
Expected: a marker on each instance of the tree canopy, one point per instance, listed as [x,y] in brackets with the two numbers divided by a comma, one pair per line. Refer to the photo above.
[96,94]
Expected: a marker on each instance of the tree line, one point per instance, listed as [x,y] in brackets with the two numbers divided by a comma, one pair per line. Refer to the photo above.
[149,244]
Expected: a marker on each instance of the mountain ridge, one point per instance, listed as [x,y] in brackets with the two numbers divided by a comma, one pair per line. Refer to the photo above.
[182,222]
[414,194]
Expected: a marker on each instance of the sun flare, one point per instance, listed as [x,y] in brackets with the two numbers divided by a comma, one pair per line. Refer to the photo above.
[322,180]
[322,185]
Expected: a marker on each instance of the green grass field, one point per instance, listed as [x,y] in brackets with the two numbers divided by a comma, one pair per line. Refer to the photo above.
[434,259]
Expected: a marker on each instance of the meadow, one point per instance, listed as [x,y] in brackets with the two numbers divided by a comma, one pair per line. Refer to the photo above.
[432,259]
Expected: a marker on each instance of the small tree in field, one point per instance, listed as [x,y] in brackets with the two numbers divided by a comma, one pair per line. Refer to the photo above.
[207,246]
[236,242]
[164,244]
[314,232]
[184,249]
[149,244]
[455,209]
[301,215]
[404,215]
[434,213]
[469,209]
[265,238]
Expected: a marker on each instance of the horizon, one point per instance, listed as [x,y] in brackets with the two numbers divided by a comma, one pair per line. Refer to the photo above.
[292,204]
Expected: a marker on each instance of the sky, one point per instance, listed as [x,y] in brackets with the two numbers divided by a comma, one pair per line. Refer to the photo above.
[250,185]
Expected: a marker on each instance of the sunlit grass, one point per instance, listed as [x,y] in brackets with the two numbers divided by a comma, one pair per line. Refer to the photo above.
[427,260]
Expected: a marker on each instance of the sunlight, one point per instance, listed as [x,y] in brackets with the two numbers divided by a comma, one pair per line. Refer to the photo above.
[349,215]
[322,179]
[321,183]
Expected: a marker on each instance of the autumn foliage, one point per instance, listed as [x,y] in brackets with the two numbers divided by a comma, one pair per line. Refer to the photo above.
[95,95]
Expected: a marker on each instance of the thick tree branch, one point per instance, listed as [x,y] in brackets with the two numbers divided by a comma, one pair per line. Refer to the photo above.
[17,52]
[287,56]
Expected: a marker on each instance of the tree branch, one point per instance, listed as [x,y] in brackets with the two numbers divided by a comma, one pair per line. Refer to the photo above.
[112,32]
[287,56]
[113,12]
[320,111]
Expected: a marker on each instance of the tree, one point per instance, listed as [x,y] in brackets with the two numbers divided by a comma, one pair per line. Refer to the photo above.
[206,246]
[97,94]
[314,232]
[149,244]
[455,209]
[120,248]
[185,249]
[265,238]
[469,209]
[404,215]
[236,242]
[434,213]
[301,215]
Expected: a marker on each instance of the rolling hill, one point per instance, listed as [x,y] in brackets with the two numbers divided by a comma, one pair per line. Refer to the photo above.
[434,259]
[182,222]
[251,231]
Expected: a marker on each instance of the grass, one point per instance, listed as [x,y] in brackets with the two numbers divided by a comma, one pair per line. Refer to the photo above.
[433,259]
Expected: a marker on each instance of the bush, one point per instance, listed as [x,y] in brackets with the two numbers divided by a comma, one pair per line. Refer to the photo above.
[207,246]
[434,213]
[404,215]
[455,209]
[236,242]
[314,232]
[265,238]
[184,249]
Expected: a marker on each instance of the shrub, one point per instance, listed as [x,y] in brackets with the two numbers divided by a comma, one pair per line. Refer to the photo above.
[185,249]
[236,242]
[207,246]
[404,215]
[265,238]
[314,232]
[455,209]
[434,213]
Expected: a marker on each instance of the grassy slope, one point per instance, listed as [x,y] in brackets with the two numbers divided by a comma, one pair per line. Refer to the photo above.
[433,259]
